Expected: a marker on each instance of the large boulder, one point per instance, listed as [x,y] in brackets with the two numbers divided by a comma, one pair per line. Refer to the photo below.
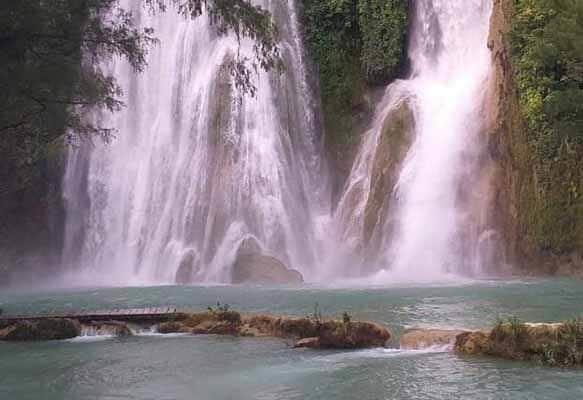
[353,335]
[39,330]
[417,339]
[186,269]
[472,343]
[252,266]
[394,141]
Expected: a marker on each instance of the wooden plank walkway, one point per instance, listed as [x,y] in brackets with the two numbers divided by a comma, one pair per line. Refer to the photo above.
[126,315]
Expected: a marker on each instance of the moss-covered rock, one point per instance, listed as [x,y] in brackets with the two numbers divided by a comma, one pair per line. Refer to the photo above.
[472,343]
[558,344]
[321,333]
[393,145]
[45,329]
[539,184]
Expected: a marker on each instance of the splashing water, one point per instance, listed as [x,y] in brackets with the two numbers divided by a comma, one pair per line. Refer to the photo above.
[430,230]
[193,172]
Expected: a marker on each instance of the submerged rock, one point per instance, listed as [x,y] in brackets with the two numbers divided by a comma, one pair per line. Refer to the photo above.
[416,339]
[308,343]
[45,329]
[251,266]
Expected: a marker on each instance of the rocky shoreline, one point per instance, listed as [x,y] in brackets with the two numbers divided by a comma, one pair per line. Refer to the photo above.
[309,332]
[557,344]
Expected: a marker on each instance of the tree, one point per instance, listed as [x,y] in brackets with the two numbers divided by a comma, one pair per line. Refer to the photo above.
[52,52]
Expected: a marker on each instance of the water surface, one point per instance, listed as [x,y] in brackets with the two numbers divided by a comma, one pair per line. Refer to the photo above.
[207,367]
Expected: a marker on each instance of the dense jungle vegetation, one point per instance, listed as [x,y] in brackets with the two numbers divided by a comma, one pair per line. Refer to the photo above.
[355,44]
[547,57]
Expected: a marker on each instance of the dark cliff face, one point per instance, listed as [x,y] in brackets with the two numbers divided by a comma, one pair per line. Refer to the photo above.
[540,224]
[32,220]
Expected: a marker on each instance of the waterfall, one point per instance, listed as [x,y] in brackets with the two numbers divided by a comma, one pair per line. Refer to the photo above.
[427,224]
[195,169]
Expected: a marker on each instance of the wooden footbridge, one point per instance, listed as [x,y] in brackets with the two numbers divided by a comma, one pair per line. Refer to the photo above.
[149,314]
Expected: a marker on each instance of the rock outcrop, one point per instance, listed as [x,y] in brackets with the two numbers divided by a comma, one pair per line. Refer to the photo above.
[253,266]
[472,343]
[559,344]
[393,144]
[186,269]
[306,332]
[505,137]
[45,329]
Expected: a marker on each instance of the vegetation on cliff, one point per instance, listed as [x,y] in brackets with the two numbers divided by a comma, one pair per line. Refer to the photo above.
[547,57]
[354,43]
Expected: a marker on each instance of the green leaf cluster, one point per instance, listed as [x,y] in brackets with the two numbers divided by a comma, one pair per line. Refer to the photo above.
[354,43]
[53,52]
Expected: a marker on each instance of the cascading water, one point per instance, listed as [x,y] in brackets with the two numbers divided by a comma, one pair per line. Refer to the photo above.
[426,226]
[194,172]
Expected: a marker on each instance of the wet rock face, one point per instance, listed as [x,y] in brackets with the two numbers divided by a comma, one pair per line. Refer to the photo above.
[186,269]
[252,266]
[308,343]
[416,339]
[472,343]
[207,323]
[306,332]
[393,145]
[258,268]
[354,335]
[111,328]
[46,329]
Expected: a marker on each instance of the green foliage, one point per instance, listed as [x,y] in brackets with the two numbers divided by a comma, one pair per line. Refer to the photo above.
[346,318]
[383,26]
[547,58]
[353,42]
[223,312]
[512,330]
[219,309]
[570,342]
[333,36]
[316,316]
[243,19]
